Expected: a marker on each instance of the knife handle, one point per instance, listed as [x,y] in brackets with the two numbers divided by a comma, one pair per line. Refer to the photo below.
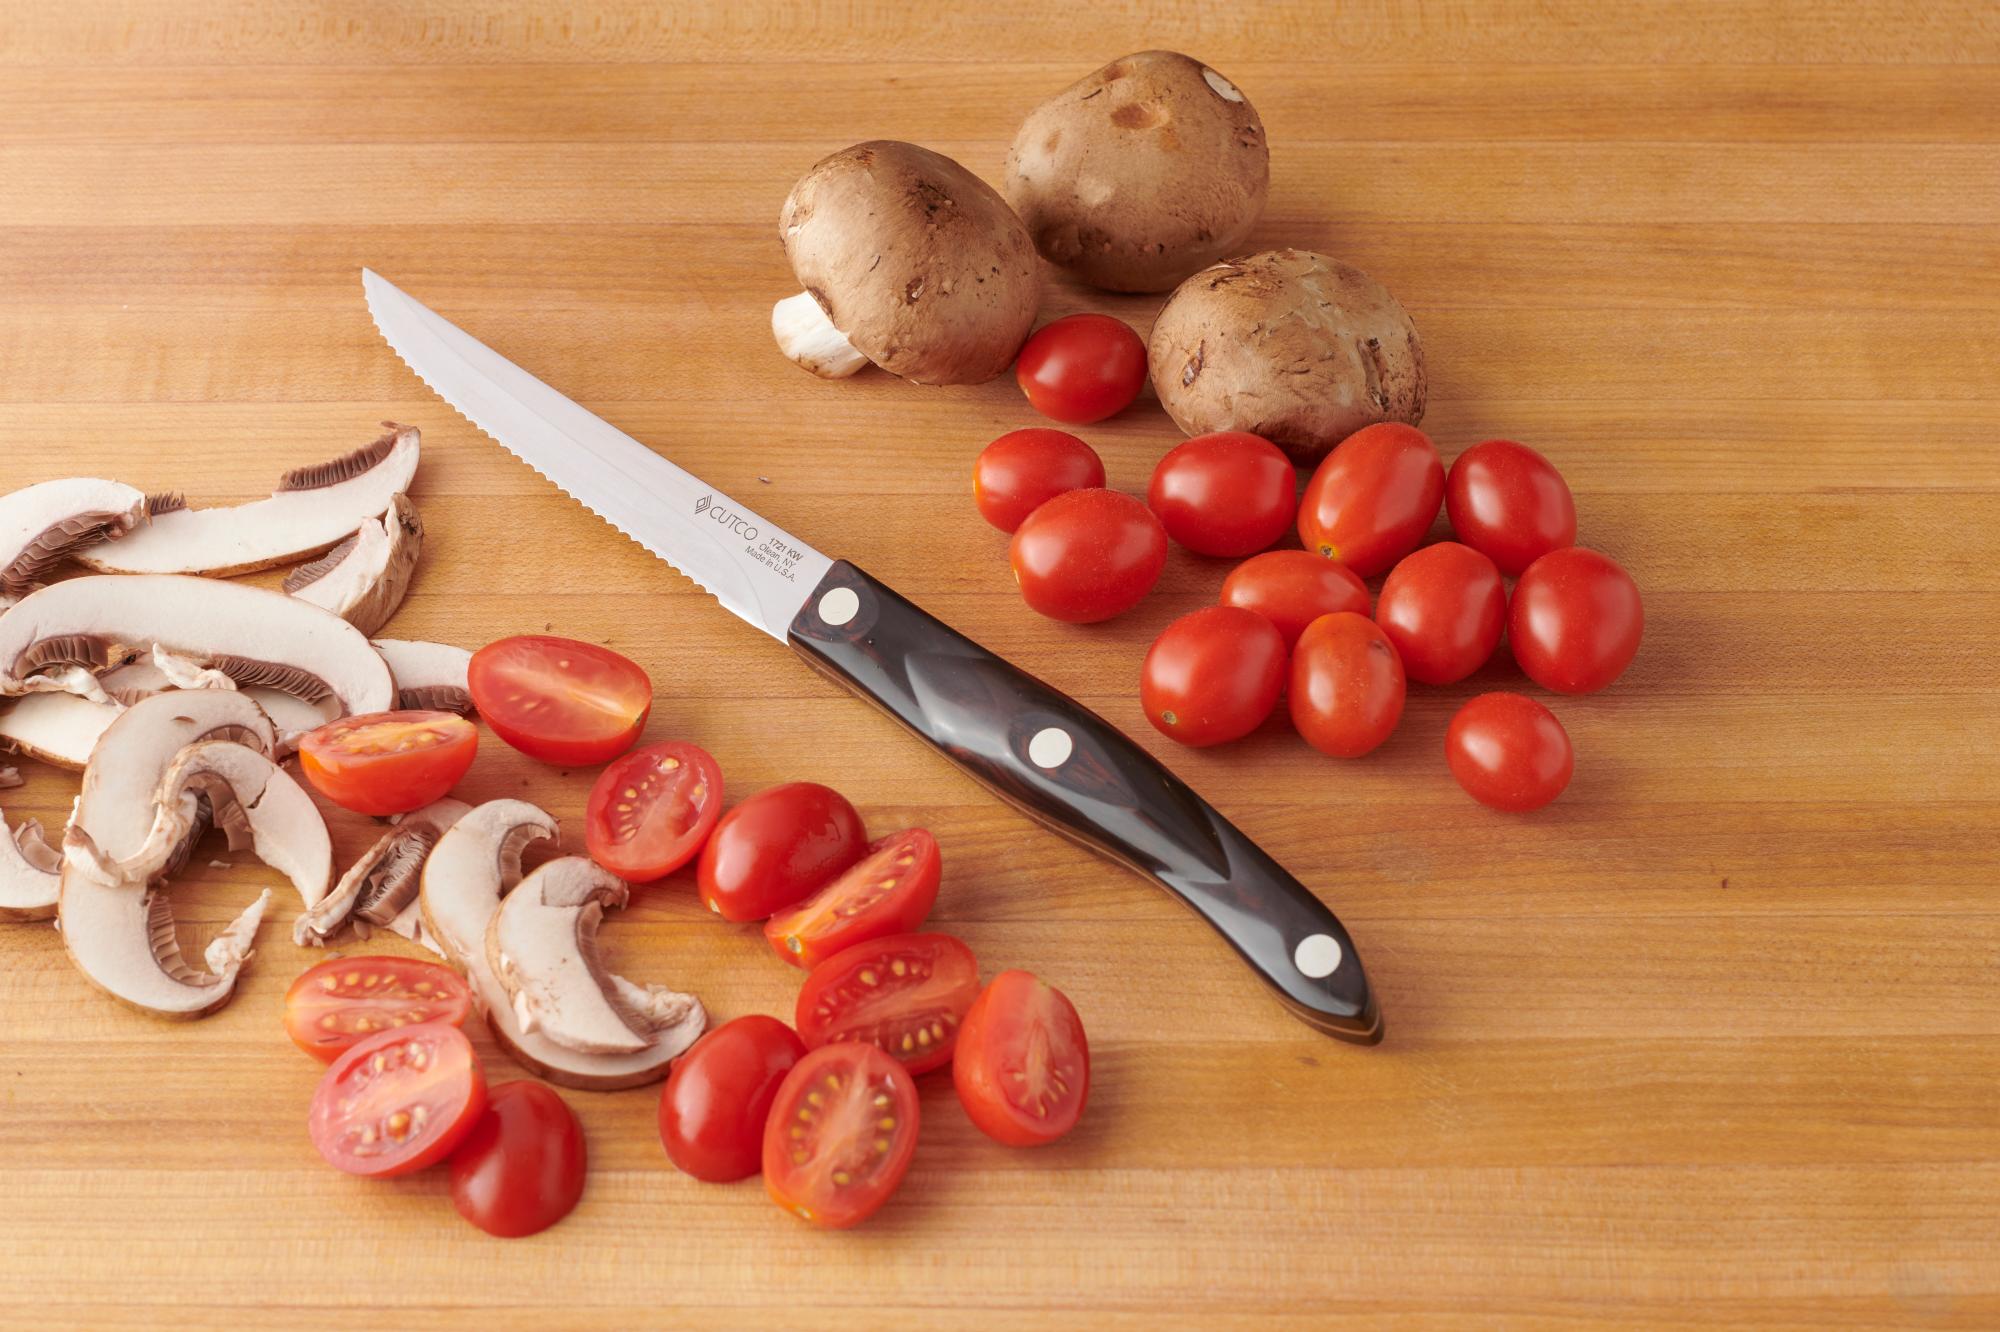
[1065,766]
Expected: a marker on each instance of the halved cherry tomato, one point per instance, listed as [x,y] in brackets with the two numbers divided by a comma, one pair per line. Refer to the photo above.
[1228,493]
[337,1003]
[1024,469]
[1509,752]
[906,993]
[388,762]
[559,700]
[1347,685]
[398,1101]
[1443,607]
[1088,555]
[1509,503]
[520,1169]
[841,1135]
[1082,368]
[776,847]
[719,1094]
[1213,675]
[889,892]
[1575,621]
[1373,498]
[1292,588]
[1023,1066]
[652,809]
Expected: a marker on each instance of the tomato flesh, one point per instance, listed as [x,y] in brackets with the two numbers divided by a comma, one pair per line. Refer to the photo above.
[719,1095]
[1443,607]
[841,1134]
[776,847]
[1509,752]
[1509,503]
[1023,1066]
[398,1101]
[906,994]
[1372,499]
[1213,675]
[520,1168]
[332,1006]
[652,809]
[1082,368]
[1575,621]
[1347,685]
[1292,588]
[1024,469]
[1088,555]
[1228,493]
[888,892]
[559,700]
[389,762]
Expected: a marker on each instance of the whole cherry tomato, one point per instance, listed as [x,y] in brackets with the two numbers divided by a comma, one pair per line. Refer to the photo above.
[1509,752]
[1443,607]
[1228,494]
[520,1169]
[719,1094]
[1509,503]
[651,810]
[1292,588]
[1575,621]
[1082,368]
[1213,675]
[1373,498]
[841,1134]
[1088,555]
[1022,1067]
[1024,469]
[1347,685]
[776,847]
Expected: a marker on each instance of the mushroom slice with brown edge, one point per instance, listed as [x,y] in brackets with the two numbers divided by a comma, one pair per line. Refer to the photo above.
[43,525]
[364,578]
[313,509]
[907,260]
[1140,173]
[381,887]
[429,676]
[542,944]
[30,872]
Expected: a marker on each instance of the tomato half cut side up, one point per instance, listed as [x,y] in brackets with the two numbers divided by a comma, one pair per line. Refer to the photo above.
[335,1005]
[652,809]
[398,1101]
[388,762]
[559,700]
[889,892]
[906,994]
[841,1134]
[1023,1066]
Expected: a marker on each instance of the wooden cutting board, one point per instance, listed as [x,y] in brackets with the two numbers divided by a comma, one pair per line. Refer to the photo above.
[1713,1040]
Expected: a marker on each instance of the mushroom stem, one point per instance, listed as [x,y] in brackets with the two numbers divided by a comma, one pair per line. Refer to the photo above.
[809,340]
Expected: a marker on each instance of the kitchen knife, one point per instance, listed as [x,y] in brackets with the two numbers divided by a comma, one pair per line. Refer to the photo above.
[1032,745]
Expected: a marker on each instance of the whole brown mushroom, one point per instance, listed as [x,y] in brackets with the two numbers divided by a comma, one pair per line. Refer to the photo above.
[1137,175]
[1288,344]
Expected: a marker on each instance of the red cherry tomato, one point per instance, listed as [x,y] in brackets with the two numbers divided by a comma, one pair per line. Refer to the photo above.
[1373,498]
[1213,675]
[1443,607]
[388,762]
[559,700]
[520,1169]
[719,1094]
[1023,1066]
[1509,503]
[1088,555]
[906,993]
[841,1135]
[348,999]
[397,1101]
[1347,685]
[652,809]
[1229,493]
[776,847]
[889,892]
[1292,588]
[1509,752]
[1025,469]
[1082,368]
[1575,621]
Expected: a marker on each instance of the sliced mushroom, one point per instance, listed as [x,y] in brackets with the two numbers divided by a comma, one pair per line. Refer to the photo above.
[10,777]
[29,872]
[43,525]
[313,509]
[381,887]
[429,676]
[364,578]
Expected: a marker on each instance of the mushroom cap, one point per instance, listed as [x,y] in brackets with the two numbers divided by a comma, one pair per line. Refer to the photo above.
[1140,173]
[1288,344]
[920,264]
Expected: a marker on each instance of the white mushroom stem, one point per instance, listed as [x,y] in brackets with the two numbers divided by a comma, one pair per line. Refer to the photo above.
[809,340]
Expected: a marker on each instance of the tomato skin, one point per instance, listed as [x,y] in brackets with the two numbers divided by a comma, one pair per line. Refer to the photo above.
[651,811]
[1509,752]
[1292,588]
[345,1000]
[1025,469]
[1509,503]
[888,891]
[1443,607]
[719,1095]
[1575,621]
[906,994]
[776,847]
[521,1167]
[1347,685]
[1082,368]
[1213,675]
[834,1151]
[361,763]
[559,700]
[1022,1068]
[429,1067]
[1228,493]
[1088,555]
[1372,499]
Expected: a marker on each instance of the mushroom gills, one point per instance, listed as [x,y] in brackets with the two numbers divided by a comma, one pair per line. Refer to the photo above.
[44,525]
[429,677]
[381,887]
[30,872]
[363,579]
[810,341]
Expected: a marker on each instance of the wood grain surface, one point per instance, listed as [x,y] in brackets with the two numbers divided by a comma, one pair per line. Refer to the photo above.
[1712,1041]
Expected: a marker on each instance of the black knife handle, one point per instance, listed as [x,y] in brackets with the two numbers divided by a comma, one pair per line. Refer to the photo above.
[1068,768]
